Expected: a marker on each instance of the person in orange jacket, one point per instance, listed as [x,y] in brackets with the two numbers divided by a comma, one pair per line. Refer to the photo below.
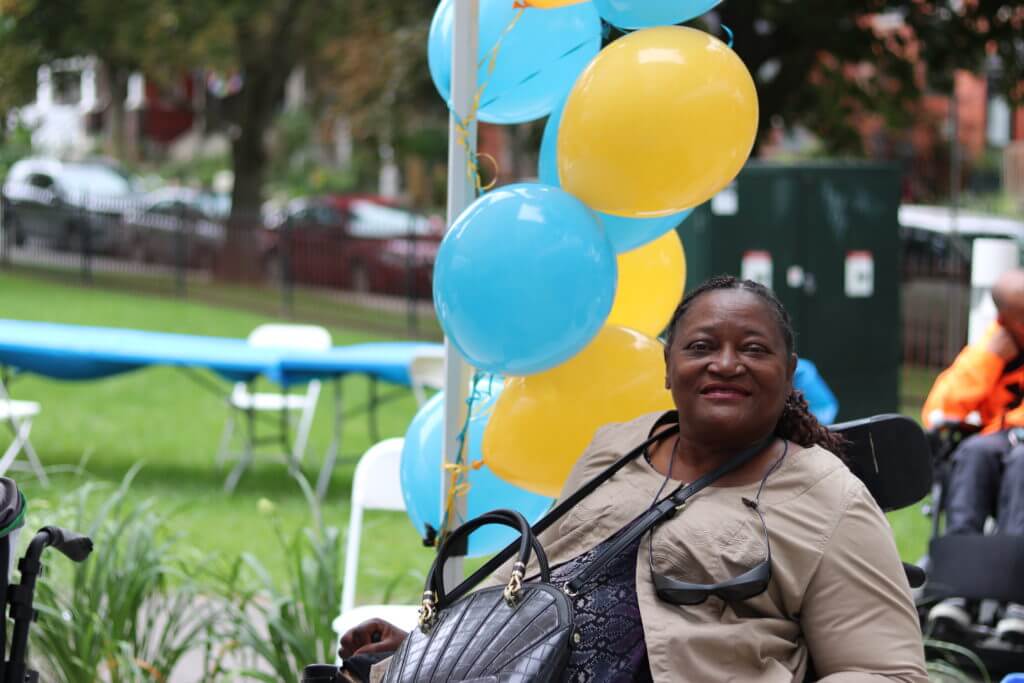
[985,385]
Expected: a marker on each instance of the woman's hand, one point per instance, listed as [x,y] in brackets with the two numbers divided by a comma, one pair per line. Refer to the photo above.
[375,635]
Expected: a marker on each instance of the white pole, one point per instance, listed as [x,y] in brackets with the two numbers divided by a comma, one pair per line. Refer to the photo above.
[990,258]
[461,191]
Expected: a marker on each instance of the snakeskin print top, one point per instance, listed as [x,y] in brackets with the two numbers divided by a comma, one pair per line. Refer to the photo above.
[607,616]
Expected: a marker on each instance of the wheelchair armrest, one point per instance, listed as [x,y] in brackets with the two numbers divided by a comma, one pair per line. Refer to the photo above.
[946,432]
[915,575]
[940,422]
[964,429]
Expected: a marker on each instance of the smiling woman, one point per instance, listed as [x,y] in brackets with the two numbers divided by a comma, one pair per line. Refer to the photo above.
[730,357]
[778,565]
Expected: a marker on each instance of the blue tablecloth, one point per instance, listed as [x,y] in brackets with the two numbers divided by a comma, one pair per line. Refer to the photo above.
[78,352]
[388,361]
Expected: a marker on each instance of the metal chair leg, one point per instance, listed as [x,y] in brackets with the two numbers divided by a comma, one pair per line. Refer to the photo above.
[225,439]
[305,424]
[33,458]
[9,455]
[372,412]
[20,431]
[246,458]
[327,468]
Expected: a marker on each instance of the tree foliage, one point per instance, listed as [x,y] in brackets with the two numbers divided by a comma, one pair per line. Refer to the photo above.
[985,36]
[820,63]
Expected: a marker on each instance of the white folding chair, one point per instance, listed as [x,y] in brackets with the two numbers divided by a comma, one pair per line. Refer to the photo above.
[426,370]
[376,486]
[245,401]
[18,416]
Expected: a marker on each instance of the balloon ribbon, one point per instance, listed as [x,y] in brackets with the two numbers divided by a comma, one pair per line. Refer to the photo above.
[462,126]
[459,470]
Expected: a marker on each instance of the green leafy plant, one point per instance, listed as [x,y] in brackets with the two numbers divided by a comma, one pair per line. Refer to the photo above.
[285,627]
[946,660]
[132,610]
[17,143]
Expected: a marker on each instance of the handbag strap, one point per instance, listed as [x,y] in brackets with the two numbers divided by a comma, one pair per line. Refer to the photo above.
[667,507]
[557,513]
[510,518]
[664,509]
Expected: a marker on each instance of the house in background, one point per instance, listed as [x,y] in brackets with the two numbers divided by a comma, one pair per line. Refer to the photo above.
[70,115]
[68,97]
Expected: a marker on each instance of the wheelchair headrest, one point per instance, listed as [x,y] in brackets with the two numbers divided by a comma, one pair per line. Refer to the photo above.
[890,454]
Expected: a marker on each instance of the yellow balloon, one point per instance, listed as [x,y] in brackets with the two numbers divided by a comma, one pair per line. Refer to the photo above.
[660,121]
[549,4]
[651,281]
[542,423]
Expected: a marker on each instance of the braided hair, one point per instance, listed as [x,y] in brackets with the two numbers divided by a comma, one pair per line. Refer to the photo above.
[796,423]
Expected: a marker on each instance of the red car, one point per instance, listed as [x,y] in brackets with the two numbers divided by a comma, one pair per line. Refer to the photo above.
[355,242]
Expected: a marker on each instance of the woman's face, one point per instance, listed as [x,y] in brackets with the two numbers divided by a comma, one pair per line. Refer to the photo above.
[728,369]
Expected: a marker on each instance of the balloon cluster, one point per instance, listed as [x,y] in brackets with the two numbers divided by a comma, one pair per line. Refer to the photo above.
[563,285]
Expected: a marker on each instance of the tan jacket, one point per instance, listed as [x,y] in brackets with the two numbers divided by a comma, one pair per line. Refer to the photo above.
[838,592]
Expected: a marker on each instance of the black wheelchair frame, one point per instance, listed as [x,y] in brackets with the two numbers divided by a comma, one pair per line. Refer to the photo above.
[14,669]
[985,569]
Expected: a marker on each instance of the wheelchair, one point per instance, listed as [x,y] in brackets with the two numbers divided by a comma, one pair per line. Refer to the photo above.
[985,569]
[14,654]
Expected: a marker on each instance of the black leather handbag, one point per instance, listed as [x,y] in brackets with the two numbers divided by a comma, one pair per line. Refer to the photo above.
[517,633]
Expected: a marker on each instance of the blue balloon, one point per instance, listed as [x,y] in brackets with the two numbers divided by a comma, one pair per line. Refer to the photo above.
[624,233]
[421,472]
[524,279]
[820,399]
[646,13]
[536,65]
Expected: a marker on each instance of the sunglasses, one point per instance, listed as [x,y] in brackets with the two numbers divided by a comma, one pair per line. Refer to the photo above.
[747,585]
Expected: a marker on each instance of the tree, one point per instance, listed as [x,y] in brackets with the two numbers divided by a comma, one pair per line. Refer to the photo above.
[377,78]
[805,57]
[979,35]
[262,42]
[40,31]
[17,71]
[826,63]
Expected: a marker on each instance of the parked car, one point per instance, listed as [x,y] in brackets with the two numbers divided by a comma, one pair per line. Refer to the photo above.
[174,225]
[66,205]
[937,243]
[353,242]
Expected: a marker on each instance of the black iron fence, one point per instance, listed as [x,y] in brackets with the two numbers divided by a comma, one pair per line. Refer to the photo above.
[314,268]
[367,278]
[935,297]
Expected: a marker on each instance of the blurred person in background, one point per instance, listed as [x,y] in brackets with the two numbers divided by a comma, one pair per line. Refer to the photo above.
[985,386]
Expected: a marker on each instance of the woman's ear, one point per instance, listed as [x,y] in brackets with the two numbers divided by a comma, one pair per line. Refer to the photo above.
[668,384]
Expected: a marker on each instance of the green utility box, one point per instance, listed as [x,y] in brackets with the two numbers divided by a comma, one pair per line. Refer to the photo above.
[824,236]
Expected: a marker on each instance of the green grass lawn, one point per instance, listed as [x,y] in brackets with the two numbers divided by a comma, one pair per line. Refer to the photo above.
[162,418]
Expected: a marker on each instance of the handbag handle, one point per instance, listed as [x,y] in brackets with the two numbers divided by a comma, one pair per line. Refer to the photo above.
[434,597]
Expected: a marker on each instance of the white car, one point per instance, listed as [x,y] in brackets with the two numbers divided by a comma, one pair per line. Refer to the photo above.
[67,205]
